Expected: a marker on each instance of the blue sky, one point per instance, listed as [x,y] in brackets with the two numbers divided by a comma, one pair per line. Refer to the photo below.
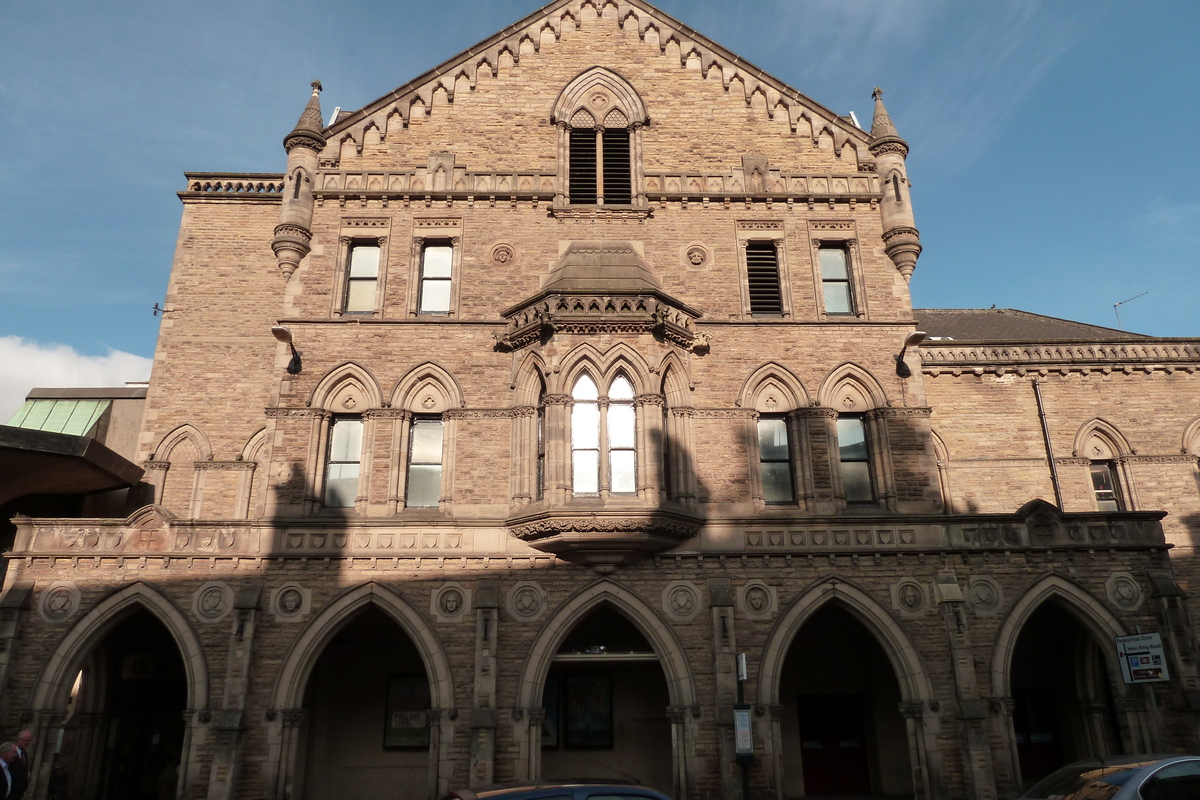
[1052,142]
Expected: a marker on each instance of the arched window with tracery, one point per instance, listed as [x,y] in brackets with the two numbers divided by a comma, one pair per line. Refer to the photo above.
[603,437]
[600,118]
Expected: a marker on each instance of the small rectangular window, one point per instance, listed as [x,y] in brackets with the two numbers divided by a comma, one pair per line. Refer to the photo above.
[835,280]
[1104,486]
[437,261]
[775,460]
[343,461]
[762,277]
[362,278]
[854,460]
[424,463]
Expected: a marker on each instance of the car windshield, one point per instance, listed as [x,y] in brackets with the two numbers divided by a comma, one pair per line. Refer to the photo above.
[1084,782]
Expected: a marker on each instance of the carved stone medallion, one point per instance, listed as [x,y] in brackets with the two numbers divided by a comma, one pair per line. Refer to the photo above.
[59,601]
[909,597]
[526,600]
[212,601]
[758,600]
[450,602]
[1123,590]
[681,600]
[291,602]
[984,595]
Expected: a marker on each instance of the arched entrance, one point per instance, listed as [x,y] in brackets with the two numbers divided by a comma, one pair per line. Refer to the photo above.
[365,732]
[124,731]
[606,702]
[841,723]
[1063,704]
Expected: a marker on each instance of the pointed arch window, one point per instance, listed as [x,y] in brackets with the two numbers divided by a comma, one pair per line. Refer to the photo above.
[601,172]
[344,461]
[600,118]
[603,437]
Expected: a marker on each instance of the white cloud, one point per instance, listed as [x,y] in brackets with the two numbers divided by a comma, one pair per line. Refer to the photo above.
[25,364]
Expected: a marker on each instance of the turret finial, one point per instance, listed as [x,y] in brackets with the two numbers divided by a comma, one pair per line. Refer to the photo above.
[881,125]
[308,129]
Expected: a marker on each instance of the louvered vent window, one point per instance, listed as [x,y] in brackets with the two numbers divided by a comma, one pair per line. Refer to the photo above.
[600,169]
[583,166]
[762,275]
[618,182]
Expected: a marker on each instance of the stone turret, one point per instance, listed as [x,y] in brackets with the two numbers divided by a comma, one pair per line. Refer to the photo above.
[303,145]
[901,240]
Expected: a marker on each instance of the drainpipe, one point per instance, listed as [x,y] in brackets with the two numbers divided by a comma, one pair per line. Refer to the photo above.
[1037,393]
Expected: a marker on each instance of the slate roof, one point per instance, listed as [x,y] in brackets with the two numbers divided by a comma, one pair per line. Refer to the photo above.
[1010,325]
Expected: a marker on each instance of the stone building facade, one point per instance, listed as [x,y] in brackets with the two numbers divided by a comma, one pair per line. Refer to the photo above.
[594,367]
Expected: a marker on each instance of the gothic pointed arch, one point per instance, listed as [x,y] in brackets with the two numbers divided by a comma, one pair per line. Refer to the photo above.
[347,389]
[658,632]
[428,388]
[1099,439]
[53,687]
[1190,443]
[253,448]
[599,81]
[184,433]
[604,366]
[851,388]
[915,682]
[297,664]
[529,383]
[772,387]
[1084,606]
[676,382]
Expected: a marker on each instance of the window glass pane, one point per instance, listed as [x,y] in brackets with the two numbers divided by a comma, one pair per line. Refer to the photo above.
[426,442]
[360,295]
[621,426]
[435,297]
[436,262]
[621,389]
[341,485]
[585,426]
[623,467]
[777,481]
[364,261]
[852,439]
[345,441]
[424,485]
[856,481]
[833,263]
[585,389]
[773,440]
[837,298]
[586,471]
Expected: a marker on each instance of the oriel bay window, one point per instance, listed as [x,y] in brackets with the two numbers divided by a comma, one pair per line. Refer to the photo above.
[603,438]
[343,461]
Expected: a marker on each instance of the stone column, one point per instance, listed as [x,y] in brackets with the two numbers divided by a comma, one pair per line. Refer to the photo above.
[230,724]
[720,601]
[650,444]
[483,713]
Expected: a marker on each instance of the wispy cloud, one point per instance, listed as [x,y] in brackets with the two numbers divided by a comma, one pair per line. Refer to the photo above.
[1175,225]
[25,364]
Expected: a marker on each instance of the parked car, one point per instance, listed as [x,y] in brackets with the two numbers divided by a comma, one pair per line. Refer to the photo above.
[559,790]
[1142,777]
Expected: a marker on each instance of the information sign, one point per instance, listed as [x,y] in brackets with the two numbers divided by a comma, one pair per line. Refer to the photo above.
[1142,658]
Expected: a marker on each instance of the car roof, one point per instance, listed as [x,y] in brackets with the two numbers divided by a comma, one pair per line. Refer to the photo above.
[533,789]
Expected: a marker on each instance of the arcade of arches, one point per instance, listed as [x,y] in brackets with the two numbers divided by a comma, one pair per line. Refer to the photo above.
[847,720]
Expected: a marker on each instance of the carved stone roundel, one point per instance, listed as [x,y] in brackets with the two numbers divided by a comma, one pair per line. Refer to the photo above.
[681,600]
[212,601]
[450,601]
[983,596]
[526,600]
[697,256]
[59,602]
[290,602]
[1124,592]
[503,254]
[757,598]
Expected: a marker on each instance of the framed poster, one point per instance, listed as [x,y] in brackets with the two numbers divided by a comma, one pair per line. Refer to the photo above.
[404,724]
[588,711]
[550,724]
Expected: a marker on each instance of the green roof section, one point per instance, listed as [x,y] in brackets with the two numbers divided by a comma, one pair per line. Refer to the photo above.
[75,417]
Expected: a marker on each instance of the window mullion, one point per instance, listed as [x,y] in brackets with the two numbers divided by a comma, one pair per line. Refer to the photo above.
[603,455]
[600,170]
